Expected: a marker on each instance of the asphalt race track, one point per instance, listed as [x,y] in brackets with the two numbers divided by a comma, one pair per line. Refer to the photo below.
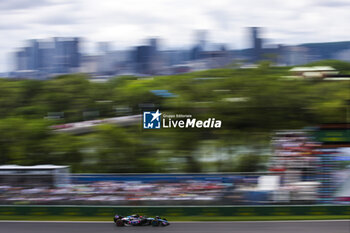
[340,226]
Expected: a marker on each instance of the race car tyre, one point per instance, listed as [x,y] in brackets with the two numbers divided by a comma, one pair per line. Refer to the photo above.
[119,223]
[164,224]
[146,223]
[155,223]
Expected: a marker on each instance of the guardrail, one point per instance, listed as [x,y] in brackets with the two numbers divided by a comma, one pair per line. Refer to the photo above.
[40,210]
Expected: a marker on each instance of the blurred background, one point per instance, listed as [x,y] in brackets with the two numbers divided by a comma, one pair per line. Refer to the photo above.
[77,76]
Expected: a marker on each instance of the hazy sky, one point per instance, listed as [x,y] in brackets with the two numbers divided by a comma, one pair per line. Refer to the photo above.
[129,22]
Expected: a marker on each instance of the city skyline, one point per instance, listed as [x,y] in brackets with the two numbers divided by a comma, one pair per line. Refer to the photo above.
[128,23]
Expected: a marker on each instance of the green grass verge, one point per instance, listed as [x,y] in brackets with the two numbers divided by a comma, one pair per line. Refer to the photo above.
[180,218]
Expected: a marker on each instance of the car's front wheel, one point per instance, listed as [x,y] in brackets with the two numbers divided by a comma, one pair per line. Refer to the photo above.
[164,224]
[155,223]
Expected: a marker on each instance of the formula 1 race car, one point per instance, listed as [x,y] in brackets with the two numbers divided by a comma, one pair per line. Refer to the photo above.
[137,220]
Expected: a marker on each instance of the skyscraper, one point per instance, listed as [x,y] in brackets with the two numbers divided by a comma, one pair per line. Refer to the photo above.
[153,42]
[201,38]
[59,55]
[34,55]
[66,54]
[143,59]
[200,44]
[146,57]
[103,47]
[257,44]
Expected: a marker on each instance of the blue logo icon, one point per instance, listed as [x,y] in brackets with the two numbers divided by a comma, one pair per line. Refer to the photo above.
[151,120]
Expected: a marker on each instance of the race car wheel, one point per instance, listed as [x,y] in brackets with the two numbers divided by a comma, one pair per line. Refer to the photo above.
[164,224]
[119,223]
[146,222]
[155,223]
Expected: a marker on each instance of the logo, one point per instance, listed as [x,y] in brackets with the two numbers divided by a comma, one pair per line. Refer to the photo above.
[151,120]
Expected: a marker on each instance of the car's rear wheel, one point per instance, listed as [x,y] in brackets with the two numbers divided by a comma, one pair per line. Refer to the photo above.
[119,223]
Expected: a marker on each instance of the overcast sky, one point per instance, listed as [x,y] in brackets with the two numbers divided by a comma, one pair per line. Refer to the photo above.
[129,22]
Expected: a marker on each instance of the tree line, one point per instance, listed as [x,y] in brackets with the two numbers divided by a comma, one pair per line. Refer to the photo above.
[251,103]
